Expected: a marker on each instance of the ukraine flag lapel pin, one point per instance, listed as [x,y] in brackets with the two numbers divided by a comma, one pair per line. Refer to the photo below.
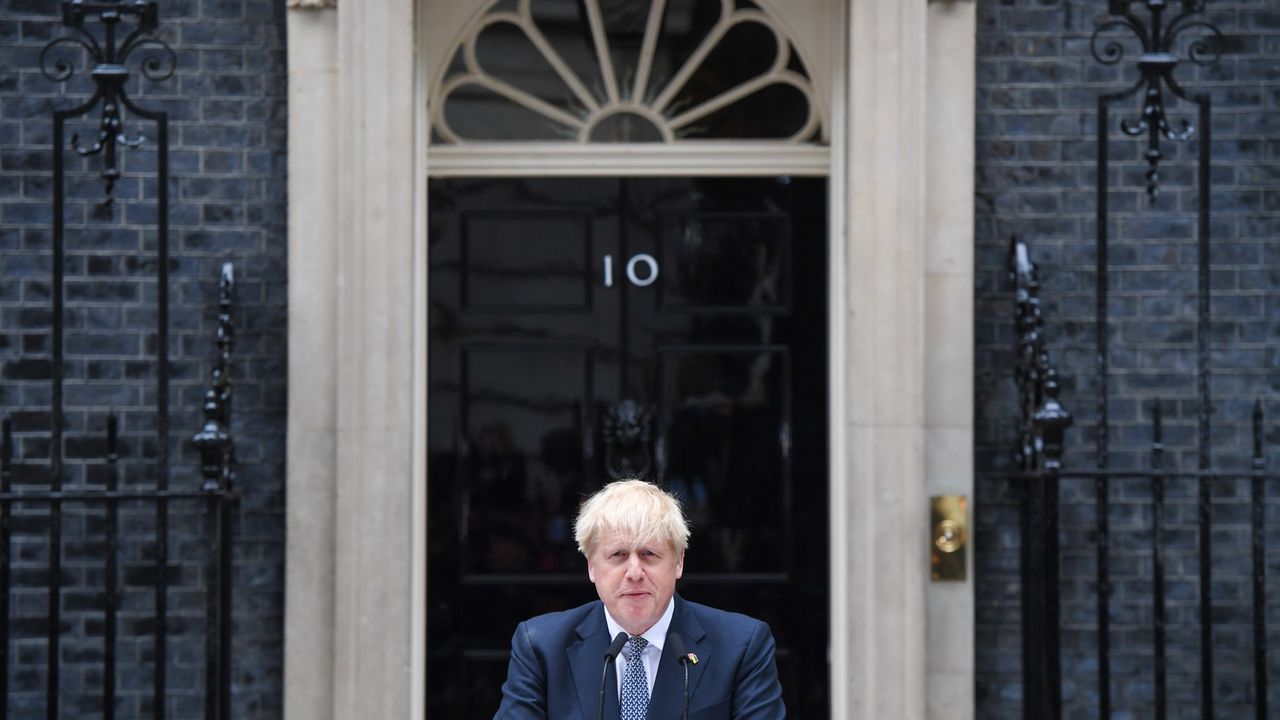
[693,658]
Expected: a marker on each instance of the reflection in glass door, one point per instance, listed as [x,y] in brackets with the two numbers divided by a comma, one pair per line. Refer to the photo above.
[589,328]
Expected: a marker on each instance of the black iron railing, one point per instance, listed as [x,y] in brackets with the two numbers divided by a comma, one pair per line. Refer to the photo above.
[1166,29]
[40,490]
[217,491]
[1042,474]
[1158,34]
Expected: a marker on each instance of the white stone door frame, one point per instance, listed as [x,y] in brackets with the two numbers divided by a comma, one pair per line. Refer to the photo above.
[900,336]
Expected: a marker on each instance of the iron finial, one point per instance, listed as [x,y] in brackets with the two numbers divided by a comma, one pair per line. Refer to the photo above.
[109,58]
[1156,65]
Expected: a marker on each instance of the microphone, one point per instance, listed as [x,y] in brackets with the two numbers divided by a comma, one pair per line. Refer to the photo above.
[610,655]
[676,643]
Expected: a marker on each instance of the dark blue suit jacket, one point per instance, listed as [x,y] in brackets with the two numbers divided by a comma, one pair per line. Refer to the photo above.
[556,662]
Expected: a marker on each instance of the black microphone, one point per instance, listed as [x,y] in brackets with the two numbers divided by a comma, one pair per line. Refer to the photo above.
[676,643]
[610,655]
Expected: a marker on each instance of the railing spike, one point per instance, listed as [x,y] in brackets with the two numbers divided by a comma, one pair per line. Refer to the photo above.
[1157,422]
[1157,442]
[113,428]
[1259,459]
[6,445]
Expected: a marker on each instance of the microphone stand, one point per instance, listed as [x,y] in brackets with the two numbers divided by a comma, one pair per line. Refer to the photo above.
[610,655]
[684,660]
[676,643]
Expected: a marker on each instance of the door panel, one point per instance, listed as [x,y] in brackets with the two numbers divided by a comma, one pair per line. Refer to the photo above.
[724,262]
[723,455]
[526,262]
[564,312]
[523,418]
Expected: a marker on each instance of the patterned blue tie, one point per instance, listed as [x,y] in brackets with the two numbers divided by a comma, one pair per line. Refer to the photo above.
[635,686]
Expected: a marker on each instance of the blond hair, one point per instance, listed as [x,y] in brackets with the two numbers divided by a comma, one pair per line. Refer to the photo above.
[637,509]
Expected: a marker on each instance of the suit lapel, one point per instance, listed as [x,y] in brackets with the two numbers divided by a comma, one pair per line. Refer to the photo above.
[667,700]
[586,658]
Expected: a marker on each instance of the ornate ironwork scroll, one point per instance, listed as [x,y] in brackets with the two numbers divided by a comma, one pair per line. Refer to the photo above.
[113,35]
[1156,64]
[110,56]
[1161,39]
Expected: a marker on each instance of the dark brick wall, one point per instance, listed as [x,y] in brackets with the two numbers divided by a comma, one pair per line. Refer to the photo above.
[227,104]
[1037,91]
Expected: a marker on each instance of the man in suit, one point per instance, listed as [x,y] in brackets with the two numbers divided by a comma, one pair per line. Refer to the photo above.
[634,536]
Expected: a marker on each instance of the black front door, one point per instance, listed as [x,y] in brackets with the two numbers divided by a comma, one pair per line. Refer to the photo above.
[583,329]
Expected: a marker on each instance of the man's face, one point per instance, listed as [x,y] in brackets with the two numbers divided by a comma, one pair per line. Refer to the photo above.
[634,581]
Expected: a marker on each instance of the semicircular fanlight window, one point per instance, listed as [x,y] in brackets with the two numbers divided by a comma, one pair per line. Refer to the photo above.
[600,71]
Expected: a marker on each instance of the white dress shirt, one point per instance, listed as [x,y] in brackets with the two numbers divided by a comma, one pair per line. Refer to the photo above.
[652,654]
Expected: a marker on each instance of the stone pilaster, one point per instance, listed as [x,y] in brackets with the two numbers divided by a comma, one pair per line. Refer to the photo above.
[376,556]
[352,563]
[311,467]
[881,593]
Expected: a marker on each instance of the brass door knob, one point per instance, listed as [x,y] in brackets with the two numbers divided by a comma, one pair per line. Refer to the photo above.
[948,536]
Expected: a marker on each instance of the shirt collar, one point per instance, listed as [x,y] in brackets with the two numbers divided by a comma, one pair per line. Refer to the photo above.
[656,635]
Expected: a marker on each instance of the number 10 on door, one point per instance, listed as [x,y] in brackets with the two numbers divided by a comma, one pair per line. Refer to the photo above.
[633,270]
